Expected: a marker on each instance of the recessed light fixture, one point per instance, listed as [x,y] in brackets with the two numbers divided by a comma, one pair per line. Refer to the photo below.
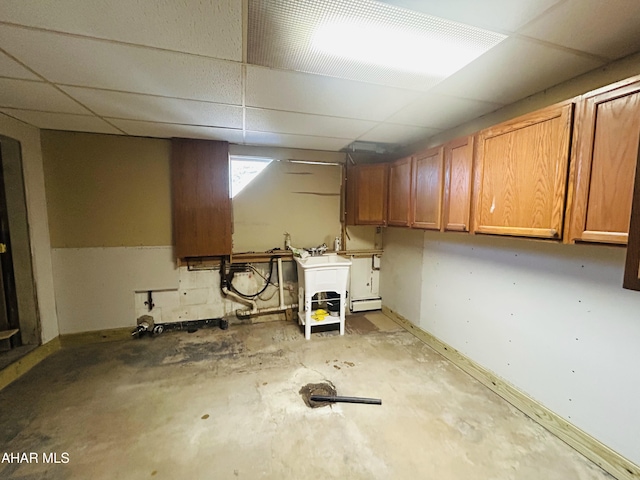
[439,49]
[362,40]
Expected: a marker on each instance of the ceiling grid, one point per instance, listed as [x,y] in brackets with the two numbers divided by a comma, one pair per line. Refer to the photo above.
[252,72]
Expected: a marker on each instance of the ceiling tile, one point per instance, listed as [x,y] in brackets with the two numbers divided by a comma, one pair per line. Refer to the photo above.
[610,29]
[302,123]
[316,94]
[501,15]
[515,69]
[167,130]
[29,95]
[295,141]
[101,64]
[134,106]
[12,69]
[442,111]
[400,134]
[205,27]
[62,121]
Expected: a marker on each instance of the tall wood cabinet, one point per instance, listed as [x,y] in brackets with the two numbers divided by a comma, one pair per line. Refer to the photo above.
[632,264]
[202,222]
[428,179]
[605,149]
[399,207]
[521,174]
[458,162]
[367,194]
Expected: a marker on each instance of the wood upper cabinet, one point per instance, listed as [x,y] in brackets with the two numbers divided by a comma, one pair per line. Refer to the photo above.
[399,207]
[202,223]
[458,161]
[605,149]
[521,174]
[632,264]
[367,194]
[428,179]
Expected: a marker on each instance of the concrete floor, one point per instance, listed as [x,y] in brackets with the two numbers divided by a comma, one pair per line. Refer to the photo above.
[8,356]
[225,404]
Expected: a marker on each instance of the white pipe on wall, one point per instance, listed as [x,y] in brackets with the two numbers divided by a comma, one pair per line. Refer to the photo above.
[282,307]
[280,283]
[260,311]
[252,303]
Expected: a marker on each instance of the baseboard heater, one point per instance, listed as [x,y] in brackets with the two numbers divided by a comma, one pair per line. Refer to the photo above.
[366,304]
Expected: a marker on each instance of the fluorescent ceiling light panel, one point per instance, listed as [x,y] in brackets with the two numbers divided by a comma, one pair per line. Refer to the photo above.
[438,52]
[362,40]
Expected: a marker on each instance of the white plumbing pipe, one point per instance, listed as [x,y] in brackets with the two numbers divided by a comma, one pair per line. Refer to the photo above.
[260,311]
[280,283]
[251,303]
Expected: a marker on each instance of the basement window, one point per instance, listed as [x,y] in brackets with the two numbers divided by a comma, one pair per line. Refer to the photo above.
[244,170]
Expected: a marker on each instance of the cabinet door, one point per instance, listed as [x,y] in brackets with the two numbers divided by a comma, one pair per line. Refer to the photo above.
[607,130]
[521,174]
[200,195]
[350,195]
[428,169]
[632,264]
[371,193]
[458,159]
[399,192]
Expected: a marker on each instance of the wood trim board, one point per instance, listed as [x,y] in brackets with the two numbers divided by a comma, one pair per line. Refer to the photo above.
[97,336]
[603,456]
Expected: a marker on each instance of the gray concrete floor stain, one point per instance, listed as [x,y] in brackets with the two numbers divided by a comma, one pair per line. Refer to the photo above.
[226,404]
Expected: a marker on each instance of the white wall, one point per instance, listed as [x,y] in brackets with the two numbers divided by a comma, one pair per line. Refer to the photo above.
[109,204]
[29,139]
[105,288]
[401,271]
[301,199]
[551,319]
[95,287]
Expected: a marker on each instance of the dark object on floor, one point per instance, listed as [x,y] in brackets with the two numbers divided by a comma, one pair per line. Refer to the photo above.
[310,389]
[147,326]
[333,301]
[330,398]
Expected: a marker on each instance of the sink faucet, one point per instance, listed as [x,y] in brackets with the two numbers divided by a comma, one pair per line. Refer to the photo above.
[317,251]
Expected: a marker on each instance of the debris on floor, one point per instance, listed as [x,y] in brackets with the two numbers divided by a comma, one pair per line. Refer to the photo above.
[340,399]
[321,394]
[325,388]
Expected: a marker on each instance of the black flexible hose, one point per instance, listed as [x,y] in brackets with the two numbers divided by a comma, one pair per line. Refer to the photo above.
[229,279]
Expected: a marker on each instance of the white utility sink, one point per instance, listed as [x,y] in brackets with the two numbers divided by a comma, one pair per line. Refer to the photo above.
[323,273]
[328,260]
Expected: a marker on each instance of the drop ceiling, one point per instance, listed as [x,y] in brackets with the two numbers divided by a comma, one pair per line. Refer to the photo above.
[190,68]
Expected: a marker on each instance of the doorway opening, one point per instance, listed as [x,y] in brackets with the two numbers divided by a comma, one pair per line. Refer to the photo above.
[19,322]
